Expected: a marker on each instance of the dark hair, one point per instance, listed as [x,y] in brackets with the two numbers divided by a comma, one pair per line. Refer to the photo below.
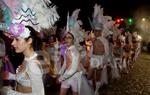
[82,43]
[36,40]
[127,40]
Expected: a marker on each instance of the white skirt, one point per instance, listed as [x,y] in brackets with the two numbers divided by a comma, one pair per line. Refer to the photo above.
[96,61]
[84,87]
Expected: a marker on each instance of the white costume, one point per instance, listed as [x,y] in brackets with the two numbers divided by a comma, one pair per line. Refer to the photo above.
[38,14]
[97,60]
[73,76]
[30,77]
[55,55]
[104,76]
[69,76]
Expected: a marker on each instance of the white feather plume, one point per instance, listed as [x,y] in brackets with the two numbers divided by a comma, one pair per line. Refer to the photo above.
[97,16]
[74,26]
[75,14]
[36,13]
[108,26]
[14,5]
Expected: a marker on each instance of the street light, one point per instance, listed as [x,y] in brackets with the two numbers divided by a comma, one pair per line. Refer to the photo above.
[143,19]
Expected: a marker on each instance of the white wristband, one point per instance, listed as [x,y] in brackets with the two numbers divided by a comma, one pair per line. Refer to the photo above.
[11,76]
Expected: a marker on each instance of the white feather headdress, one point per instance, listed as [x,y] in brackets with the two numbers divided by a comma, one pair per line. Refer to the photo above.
[36,13]
[73,26]
[101,22]
[98,17]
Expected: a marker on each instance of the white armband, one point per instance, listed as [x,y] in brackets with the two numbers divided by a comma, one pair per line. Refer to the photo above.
[11,76]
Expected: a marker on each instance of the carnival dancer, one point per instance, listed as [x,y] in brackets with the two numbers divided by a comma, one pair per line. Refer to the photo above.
[126,53]
[71,71]
[28,73]
[26,19]
[118,52]
[69,77]
[97,59]
[71,74]
[44,59]
[136,45]
[89,50]
[53,49]
[108,25]
[100,50]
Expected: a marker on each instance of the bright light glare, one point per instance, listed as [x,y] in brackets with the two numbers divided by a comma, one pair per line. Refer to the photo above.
[143,19]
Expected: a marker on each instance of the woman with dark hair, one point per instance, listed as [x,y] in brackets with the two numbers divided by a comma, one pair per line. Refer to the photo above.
[29,74]
[126,55]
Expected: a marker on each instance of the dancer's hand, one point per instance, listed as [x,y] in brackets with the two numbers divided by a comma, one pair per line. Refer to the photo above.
[5,59]
[21,68]
[58,81]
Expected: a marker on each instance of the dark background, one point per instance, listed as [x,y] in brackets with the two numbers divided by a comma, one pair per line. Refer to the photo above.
[114,8]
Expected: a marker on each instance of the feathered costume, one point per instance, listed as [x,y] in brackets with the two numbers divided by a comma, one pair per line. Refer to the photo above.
[74,26]
[35,13]
[17,14]
[105,24]
[74,75]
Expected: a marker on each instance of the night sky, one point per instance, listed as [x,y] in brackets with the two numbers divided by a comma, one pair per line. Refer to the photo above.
[114,8]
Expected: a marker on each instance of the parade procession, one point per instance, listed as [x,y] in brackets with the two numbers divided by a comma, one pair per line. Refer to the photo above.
[37,55]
